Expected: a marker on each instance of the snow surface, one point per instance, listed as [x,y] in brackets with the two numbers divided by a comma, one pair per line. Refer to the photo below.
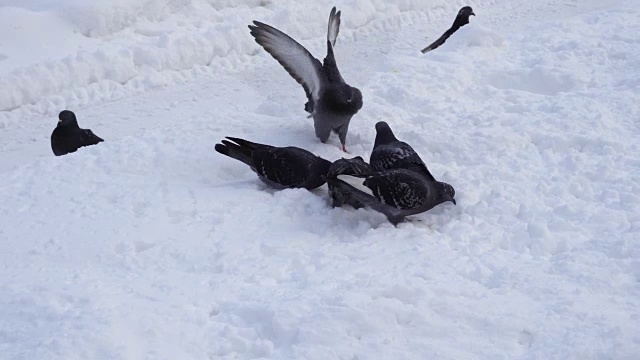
[152,246]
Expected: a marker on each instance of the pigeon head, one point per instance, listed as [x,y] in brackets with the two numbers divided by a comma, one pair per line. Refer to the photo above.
[344,100]
[67,118]
[446,192]
[463,16]
[384,135]
[354,98]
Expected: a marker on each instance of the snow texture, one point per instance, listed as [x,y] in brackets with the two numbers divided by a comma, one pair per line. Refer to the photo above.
[153,246]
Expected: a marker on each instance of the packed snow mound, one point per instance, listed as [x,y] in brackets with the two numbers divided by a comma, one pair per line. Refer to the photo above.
[145,44]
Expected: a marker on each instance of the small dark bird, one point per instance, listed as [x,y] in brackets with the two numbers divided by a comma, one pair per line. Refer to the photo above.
[278,167]
[390,153]
[396,193]
[67,137]
[331,101]
[461,20]
[354,166]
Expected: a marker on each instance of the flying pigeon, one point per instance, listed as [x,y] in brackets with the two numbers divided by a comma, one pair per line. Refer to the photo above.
[354,166]
[390,153]
[461,20]
[331,101]
[396,193]
[67,137]
[278,167]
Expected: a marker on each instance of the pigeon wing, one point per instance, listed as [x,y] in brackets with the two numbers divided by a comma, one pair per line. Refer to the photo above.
[297,60]
[399,189]
[399,155]
[330,66]
[283,166]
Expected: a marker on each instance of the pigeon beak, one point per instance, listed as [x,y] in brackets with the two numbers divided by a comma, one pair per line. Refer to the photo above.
[473,14]
[453,201]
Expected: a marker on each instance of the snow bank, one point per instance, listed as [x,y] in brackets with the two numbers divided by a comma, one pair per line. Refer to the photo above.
[158,42]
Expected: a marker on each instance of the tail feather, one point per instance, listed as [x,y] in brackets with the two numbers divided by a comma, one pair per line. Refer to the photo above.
[89,138]
[334,26]
[235,151]
[248,144]
[346,190]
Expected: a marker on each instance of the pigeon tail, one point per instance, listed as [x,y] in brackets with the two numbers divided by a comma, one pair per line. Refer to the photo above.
[242,150]
[89,138]
[248,144]
[235,151]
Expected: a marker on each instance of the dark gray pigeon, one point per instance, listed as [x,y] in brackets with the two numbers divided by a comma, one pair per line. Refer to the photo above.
[67,137]
[354,166]
[331,101]
[461,20]
[279,167]
[396,193]
[390,153]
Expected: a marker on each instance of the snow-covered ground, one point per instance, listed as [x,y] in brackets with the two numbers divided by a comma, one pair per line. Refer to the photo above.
[152,246]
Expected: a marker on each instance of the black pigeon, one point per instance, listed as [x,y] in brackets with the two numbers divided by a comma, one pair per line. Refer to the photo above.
[67,137]
[354,166]
[331,101]
[396,193]
[279,167]
[390,153]
[461,20]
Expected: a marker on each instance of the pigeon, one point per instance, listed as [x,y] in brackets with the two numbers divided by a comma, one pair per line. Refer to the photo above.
[390,153]
[461,20]
[278,167]
[67,137]
[396,193]
[354,166]
[331,101]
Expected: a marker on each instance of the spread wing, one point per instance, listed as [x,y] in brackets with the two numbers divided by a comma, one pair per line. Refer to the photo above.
[330,66]
[329,63]
[334,26]
[297,60]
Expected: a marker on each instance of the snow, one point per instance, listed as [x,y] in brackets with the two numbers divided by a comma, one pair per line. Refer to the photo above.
[152,246]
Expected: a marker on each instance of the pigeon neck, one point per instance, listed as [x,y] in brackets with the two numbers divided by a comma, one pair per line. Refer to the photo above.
[459,22]
[68,124]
